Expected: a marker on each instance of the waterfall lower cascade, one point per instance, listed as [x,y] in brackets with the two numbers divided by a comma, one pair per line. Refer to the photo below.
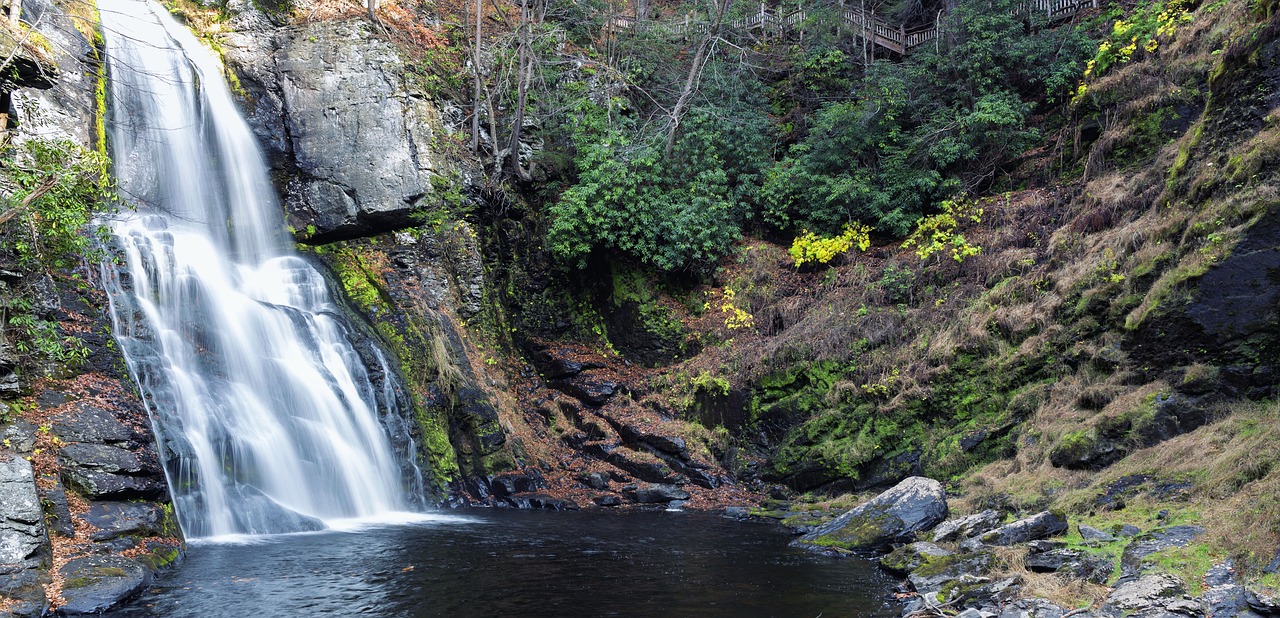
[266,415]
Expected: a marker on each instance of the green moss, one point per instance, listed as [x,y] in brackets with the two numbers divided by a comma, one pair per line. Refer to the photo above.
[862,531]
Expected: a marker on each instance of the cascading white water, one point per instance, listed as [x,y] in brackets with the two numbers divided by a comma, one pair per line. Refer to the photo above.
[266,415]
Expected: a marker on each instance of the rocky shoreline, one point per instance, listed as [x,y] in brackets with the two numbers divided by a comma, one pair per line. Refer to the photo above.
[990,565]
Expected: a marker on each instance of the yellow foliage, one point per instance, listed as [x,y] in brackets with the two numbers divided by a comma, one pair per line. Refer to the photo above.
[809,248]
[937,232]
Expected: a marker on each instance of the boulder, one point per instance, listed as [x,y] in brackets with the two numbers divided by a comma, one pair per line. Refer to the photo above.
[914,505]
[113,519]
[1032,608]
[1158,594]
[589,390]
[961,528]
[96,584]
[1038,526]
[541,501]
[607,500]
[657,492]
[951,573]
[595,480]
[909,557]
[21,520]
[1094,535]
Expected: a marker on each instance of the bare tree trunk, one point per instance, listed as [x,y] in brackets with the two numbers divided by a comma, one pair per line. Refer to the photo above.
[642,10]
[524,74]
[15,10]
[695,71]
[475,68]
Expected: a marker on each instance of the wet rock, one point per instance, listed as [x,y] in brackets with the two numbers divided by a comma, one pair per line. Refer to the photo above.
[115,519]
[914,505]
[23,591]
[99,485]
[909,557]
[1131,561]
[1038,526]
[57,511]
[595,480]
[737,512]
[961,528]
[668,444]
[91,425]
[541,501]
[21,518]
[643,466]
[98,583]
[259,514]
[512,483]
[591,391]
[20,436]
[607,500]
[657,492]
[100,457]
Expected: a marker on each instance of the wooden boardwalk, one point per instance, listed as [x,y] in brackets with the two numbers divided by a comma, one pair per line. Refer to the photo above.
[887,35]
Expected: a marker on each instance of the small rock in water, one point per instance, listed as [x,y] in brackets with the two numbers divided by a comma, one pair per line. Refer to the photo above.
[607,500]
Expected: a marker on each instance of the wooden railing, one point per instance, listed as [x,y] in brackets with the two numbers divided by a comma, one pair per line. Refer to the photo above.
[890,36]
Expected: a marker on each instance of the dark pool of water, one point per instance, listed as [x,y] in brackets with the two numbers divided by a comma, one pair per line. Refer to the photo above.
[513,563]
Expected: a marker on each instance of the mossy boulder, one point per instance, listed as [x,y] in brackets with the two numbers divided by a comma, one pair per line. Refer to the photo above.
[914,505]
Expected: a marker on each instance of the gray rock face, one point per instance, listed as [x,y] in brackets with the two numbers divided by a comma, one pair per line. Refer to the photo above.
[9,385]
[1131,561]
[1224,597]
[21,520]
[359,140]
[95,584]
[1152,595]
[58,111]
[911,506]
[1032,608]
[1038,526]
[961,528]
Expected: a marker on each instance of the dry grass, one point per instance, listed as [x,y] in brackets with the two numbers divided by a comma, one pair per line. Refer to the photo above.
[1062,590]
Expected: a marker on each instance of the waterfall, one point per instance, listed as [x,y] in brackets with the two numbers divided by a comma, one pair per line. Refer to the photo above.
[266,415]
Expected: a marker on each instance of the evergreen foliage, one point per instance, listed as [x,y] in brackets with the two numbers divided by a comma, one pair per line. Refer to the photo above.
[883,144]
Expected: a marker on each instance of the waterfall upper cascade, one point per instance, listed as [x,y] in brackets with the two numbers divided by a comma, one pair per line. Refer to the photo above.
[267,417]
